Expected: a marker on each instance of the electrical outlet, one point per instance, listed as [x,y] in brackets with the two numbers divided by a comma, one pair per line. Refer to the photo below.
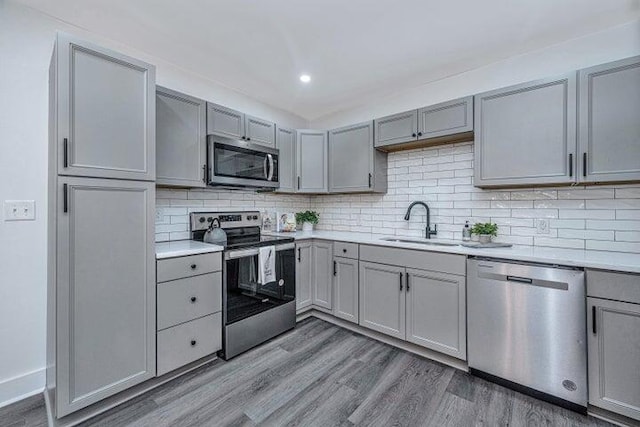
[542,226]
[158,215]
[19,210]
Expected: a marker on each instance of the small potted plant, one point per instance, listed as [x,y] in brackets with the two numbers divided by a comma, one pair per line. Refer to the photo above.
[308,219]
[485,231]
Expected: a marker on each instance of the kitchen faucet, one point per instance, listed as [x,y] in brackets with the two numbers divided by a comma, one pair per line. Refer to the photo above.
[428,232]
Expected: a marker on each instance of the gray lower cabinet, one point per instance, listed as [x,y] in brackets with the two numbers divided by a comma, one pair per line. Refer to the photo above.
[237,125]
[382,298]
[225,121]
[447,118]
[436,311]
[345,289]
[105,292]
[526,134]
[354,164]
[322,289]
[614,356]
[103,114]
[312,162]
[286,143]
[304,274]
[181,139]
[609,122]
[396,129]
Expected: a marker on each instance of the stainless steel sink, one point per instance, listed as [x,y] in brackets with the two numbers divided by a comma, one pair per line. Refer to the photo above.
[419,242]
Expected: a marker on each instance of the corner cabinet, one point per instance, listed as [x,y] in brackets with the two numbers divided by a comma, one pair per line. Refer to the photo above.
[105,293]
[526,134]
[234,124]
[354,164]
[312,161]
[609,122]
[286,144]
[105,112]
[181,139]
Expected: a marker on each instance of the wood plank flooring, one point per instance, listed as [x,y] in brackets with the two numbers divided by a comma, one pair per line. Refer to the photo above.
[322,375]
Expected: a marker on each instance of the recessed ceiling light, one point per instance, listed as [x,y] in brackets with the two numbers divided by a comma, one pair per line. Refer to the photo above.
[305,78]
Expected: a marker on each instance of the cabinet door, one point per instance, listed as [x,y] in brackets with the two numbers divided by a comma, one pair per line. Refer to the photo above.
[447,118]
[225,121]
[304,274]
[106,291]
[260,131]
[382,298]
[351,158]
[436,312]
[322,283]
[345,289]
[311,150]
[614,356]
[609,122]
[525,134]
[181,139]
[286,143]
[106,117]
[396,129]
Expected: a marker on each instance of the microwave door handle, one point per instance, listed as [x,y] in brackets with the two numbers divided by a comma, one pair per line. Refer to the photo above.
[270,175]
[266,168]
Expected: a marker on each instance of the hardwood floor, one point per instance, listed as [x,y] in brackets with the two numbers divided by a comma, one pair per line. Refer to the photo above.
[322,375]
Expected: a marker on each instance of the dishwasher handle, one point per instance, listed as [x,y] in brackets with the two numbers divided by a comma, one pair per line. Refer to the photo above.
[520,279]
[553,284]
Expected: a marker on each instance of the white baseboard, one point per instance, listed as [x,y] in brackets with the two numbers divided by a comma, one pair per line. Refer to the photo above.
[22,386]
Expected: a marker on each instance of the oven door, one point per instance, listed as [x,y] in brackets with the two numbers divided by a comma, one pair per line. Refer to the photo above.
[244,296]
[241,163]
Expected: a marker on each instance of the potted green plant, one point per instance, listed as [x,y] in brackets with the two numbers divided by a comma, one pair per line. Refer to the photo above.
[485,231]
[308,219]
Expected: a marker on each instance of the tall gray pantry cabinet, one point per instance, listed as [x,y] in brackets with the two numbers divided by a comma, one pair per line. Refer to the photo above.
[101,270]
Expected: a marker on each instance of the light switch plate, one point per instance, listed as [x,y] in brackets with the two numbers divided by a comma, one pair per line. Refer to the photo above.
[542,226]
[19,210]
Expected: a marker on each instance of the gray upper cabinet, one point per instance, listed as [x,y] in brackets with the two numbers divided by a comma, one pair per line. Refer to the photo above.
[354,164]
[526,134]
[345,289]
[396,129]
[436,312]
[609,122]
[322,283]
[105,112]
[382,298]
[225,121]
[286,143]
[260,131]
[312,165]
[106,293]
[445,119]
[181,139]
[237,125]
[304,274]
[614,356]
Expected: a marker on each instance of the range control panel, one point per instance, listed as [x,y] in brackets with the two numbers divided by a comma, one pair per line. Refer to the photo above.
[202,220]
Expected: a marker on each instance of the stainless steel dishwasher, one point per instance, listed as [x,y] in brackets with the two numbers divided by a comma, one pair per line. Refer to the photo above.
[527,328]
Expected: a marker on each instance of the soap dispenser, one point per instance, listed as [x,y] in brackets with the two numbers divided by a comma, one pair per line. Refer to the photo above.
[466,232]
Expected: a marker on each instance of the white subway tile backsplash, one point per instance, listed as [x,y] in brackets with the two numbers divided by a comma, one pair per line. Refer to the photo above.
[602,218]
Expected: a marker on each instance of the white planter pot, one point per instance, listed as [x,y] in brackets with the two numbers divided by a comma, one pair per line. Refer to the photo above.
[484,238]
[307,227]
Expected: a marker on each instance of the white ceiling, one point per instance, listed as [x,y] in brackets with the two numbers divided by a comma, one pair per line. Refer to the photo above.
[354,50]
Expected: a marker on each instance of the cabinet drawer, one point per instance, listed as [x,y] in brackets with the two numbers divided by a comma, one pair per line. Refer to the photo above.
[346,250]
[187,342]
[186,299]
[615,286]
[187,266]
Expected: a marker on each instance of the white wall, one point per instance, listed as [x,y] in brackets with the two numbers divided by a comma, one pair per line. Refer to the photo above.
[26,42]
[608,45]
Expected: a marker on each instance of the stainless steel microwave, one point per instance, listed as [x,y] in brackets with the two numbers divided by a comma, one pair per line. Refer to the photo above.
[235,163]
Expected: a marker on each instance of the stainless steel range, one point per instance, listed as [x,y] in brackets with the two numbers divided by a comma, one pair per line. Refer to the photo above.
[253,312]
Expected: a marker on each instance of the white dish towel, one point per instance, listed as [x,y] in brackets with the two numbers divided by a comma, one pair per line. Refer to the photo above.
[267,264]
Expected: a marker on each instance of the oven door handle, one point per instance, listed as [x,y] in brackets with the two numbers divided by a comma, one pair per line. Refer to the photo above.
[244,253]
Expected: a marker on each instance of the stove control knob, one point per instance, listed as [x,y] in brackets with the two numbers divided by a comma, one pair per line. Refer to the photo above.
[210,219]
[248,217]
[201,219]
[255,217]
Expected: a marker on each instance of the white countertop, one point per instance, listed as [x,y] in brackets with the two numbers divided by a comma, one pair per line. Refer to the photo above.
[183,248]
[616,261]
